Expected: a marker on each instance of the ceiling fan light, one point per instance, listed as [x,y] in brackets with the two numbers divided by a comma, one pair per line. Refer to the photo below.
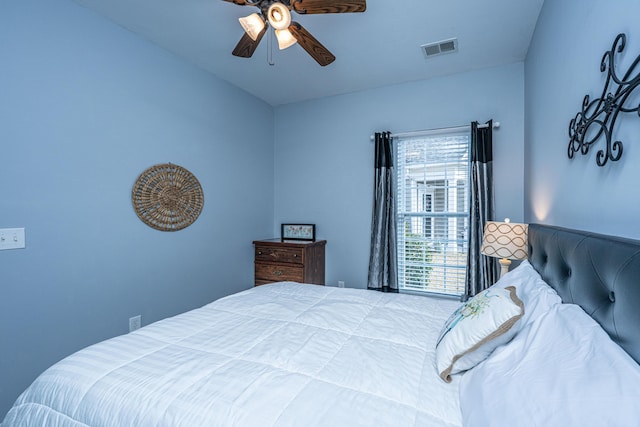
[253,25]
[285,39]
[279,16]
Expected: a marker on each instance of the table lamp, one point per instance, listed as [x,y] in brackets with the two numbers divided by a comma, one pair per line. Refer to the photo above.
[505,240]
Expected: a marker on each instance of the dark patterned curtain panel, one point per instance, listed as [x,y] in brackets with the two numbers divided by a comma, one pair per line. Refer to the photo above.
[482,271]
[383,264]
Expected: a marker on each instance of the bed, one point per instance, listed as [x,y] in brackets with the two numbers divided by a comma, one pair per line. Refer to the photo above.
[291,354]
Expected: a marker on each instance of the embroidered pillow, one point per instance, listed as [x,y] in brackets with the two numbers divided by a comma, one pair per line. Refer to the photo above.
[476,328]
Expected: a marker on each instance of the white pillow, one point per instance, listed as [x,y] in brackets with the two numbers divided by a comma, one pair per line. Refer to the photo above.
[476,328]
[563,370]
[534,292]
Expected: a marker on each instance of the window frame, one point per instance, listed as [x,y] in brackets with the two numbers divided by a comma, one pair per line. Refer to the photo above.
[450,287]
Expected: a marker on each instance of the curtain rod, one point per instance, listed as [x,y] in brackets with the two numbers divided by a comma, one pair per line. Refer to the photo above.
[437,130]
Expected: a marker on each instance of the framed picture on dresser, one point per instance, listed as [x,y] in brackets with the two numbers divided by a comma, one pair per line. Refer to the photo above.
[298,232]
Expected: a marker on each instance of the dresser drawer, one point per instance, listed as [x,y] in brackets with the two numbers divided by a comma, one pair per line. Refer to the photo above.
[279,254]
[279,272]
[289,261]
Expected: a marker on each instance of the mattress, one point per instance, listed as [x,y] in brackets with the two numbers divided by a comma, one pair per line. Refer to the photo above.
[284,354]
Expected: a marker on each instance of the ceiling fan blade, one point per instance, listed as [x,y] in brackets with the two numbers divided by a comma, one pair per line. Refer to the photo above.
[246,46]
[328,6]
[313,47]
[238,2]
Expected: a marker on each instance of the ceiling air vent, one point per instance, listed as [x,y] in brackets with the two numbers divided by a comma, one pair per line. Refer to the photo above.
[439,48]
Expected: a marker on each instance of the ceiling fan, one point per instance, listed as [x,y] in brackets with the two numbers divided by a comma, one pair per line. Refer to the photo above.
[276,13]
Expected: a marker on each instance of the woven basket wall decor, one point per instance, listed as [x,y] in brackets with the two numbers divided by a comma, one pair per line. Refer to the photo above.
[167,197]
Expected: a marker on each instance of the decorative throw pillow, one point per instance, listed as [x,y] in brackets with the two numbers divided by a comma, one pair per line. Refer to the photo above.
[476,328]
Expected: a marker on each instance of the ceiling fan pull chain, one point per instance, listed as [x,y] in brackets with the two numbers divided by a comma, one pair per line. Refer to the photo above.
[270,49]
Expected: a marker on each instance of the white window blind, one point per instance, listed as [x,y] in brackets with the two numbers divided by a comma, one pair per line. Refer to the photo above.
[433,211]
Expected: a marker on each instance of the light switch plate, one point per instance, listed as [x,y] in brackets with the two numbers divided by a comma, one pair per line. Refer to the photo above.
[11,238]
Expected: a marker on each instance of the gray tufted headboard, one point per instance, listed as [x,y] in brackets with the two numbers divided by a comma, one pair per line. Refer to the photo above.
[600,273]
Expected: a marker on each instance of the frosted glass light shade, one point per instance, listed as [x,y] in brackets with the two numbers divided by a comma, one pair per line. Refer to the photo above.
[253,25]
[279,16]
[285,39]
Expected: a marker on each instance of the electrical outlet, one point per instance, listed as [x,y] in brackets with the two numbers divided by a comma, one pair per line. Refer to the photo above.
[341,283]
[135,322]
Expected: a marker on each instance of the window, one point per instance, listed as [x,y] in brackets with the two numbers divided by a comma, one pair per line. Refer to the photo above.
[433,211]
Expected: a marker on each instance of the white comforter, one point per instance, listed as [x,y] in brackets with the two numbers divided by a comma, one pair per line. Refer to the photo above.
[277,355]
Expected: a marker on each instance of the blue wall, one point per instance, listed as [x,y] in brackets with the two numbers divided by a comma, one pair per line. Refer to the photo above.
[85,107]
[562,66]
[324,157]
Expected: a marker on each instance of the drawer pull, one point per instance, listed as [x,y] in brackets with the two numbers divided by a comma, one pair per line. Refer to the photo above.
[259,252]
[278,273]
[295,255]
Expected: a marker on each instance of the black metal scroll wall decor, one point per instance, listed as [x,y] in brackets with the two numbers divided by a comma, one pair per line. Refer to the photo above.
[599,116]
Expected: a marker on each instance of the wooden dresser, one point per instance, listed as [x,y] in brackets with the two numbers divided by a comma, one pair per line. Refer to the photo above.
[291,260]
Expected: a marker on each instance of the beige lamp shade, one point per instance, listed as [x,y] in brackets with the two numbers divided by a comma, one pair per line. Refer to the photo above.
[505,240]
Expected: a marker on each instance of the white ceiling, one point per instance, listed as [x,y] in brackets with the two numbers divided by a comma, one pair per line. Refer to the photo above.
[376,48]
